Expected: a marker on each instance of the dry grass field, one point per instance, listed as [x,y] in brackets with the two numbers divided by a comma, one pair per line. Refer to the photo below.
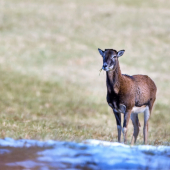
[50,87]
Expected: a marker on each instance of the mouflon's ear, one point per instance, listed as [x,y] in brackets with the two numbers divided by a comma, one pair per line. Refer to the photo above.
[120,53]
[101,52]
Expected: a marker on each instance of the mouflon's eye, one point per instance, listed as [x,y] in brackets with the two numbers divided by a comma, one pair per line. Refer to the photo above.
[113,56]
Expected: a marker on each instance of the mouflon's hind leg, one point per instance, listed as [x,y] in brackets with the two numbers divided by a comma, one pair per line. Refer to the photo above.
[145,128]
[118,121]
[136,126]
[147,114]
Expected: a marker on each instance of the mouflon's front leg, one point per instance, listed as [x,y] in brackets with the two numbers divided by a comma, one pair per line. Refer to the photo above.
[125,124]
[118,121]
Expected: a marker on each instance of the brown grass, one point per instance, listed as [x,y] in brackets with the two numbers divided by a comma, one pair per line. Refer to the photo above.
[49,65]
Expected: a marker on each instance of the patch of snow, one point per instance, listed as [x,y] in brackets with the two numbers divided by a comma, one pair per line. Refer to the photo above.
[90,154]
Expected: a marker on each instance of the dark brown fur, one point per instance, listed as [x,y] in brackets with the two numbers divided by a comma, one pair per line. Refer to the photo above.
[130,91]
[136,90]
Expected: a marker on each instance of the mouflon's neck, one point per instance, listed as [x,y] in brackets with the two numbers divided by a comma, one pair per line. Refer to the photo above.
[113,79]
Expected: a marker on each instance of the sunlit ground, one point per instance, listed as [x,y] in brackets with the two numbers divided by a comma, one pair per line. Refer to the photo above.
[50,86]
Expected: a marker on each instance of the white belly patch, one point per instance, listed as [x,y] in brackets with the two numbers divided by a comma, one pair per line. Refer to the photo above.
[122,108]
[139,109]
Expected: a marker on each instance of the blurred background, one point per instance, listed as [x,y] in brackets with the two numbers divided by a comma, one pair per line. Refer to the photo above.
[50,87]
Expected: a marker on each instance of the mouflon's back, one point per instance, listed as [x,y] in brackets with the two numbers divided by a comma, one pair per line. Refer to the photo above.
[145,90]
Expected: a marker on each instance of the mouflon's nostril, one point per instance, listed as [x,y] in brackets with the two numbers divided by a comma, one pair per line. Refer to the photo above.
[104,65]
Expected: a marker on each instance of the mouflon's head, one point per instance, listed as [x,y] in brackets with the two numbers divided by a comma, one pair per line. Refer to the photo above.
[110,58]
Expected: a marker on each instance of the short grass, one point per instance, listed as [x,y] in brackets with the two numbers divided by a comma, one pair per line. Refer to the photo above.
[50,86]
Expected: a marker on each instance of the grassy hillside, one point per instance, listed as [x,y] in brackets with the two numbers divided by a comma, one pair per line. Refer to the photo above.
[50,86]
